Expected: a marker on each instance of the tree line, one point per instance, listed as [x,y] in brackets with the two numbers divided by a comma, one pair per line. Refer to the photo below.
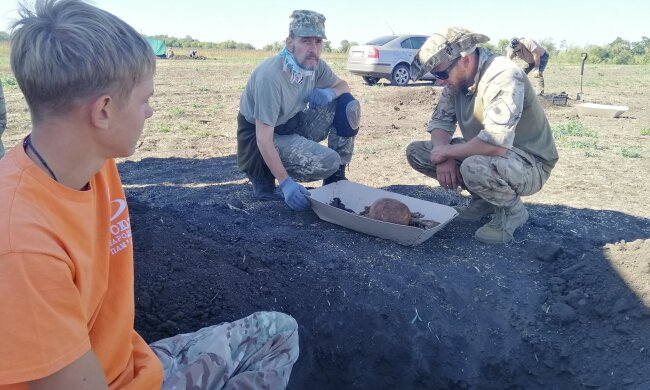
[619,51]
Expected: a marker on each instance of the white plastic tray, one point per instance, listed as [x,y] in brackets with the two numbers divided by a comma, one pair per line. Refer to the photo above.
[602,110]
[357,196]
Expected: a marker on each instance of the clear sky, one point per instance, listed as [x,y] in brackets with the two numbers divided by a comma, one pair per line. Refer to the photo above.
[259,22]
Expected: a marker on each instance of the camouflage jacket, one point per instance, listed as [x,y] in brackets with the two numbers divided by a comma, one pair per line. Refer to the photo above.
[501,108]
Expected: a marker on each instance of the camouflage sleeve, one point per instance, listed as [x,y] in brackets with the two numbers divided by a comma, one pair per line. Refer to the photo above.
[3,111]
[444,116]
[503,101]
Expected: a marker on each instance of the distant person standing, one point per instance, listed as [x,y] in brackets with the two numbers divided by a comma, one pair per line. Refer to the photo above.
[291,102]
[534,55]
[3,119]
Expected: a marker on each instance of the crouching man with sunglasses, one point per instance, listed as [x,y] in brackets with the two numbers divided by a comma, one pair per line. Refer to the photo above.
[506,150]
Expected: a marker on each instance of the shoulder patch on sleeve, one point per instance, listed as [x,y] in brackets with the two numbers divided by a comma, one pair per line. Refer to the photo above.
[499,112]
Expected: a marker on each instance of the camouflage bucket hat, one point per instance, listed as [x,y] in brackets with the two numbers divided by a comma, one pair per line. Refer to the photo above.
[447,45]
[305,23]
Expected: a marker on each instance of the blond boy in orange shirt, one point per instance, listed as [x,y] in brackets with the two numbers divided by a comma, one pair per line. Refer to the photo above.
[66,255]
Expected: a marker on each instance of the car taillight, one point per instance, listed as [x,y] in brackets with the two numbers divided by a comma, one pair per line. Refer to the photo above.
[373,53]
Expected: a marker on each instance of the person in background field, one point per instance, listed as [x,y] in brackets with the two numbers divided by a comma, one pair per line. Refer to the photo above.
[506,150]
[3,119]
[66,255]
[291,102]
[534,55]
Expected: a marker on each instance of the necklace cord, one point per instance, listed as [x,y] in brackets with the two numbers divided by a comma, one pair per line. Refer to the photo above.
[27,143]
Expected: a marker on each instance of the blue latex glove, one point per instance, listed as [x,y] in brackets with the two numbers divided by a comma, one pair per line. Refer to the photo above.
[320,97]
[295,195]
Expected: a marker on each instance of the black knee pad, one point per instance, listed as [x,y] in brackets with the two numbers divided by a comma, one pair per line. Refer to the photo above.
[347,115]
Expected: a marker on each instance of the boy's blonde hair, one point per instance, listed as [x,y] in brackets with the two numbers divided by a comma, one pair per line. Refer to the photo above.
[66,51]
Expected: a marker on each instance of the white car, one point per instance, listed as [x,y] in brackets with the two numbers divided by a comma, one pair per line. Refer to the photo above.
[387,57]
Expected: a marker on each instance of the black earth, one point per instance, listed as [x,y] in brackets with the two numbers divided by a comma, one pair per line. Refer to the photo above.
[551,311]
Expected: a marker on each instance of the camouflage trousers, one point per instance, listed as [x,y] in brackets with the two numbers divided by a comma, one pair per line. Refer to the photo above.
[500,180]
[302,155]
[256,352]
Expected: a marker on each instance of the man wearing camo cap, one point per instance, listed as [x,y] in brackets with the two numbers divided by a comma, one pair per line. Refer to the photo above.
[291,102]
[534,55]
[506,150]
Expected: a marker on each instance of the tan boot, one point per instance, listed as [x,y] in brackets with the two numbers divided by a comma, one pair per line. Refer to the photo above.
[477,209]
[501,228]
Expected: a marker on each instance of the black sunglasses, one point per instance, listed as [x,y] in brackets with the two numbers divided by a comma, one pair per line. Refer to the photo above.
[444,74]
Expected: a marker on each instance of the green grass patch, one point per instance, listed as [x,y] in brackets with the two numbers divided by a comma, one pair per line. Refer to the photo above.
[630,152]
[573,129]
[8,81]
[645,131]
[574,135]
[177,111]
[581,144]
[164,128]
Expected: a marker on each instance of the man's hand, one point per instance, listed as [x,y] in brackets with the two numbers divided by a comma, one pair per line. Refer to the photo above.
[440,154]
[448,174]
[295,195]
[537,73]
[320,97]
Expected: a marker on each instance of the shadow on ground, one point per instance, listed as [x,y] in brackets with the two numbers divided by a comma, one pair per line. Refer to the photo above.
[551,311]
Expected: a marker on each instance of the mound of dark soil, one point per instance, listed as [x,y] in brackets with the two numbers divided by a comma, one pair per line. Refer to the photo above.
[555,310]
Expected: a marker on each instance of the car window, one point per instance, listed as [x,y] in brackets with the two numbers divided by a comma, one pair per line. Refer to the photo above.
[417,42]
[381,40]
[406,44]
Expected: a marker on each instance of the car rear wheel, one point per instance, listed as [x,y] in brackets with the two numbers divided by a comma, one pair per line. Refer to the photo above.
[400,75]
[370,80]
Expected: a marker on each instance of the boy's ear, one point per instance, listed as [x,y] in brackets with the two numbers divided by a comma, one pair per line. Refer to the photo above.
[101,110]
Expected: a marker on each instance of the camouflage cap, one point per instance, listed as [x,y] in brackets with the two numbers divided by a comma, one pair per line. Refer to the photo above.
[447,45]
[305,23]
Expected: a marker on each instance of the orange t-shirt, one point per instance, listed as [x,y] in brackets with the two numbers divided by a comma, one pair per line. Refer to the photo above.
[66,278]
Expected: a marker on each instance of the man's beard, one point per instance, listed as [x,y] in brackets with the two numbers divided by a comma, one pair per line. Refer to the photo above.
[457,90]
[310,66]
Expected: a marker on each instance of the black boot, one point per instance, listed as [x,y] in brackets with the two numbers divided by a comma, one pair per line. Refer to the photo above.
[336,176]
[264,189]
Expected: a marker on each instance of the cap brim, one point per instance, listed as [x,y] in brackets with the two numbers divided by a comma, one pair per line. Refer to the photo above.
[309,33]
